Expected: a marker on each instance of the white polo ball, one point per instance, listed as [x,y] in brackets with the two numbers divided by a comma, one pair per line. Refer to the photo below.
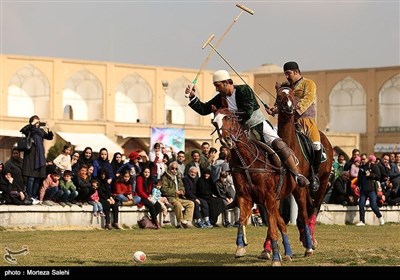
[139,256]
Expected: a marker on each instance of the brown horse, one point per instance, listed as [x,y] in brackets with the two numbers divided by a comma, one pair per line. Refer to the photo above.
[286,103]
[259,181]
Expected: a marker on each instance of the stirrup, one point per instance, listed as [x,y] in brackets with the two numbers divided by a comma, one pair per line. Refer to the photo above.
[301,180]
[315,184]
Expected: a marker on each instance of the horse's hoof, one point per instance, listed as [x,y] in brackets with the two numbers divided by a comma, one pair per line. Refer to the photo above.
[314,244]
[240,252]
[265,255]
[287,258]
[308,253]
[276,263]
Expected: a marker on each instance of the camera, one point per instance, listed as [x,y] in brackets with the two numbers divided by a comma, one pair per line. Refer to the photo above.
[42,124]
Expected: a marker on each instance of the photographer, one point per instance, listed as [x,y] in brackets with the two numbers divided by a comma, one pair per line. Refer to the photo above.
[34,161]
[367,175]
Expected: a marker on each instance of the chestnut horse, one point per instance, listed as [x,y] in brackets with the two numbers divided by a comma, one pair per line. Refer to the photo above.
[258,180]
[286,104]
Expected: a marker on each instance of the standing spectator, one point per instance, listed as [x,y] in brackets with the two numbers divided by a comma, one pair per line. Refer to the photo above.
[63,160]
[74,163]
[367,175]
[181,162]
[144,186]
[207,156]
[155,159]
[86,157]
[34,161]
[354,153]
[116,162]
[218,166]
[102,162]
[14,164]
[173,189]
[195,155]
[201,209]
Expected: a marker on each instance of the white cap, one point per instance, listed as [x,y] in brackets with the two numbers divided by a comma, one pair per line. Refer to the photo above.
[220,75]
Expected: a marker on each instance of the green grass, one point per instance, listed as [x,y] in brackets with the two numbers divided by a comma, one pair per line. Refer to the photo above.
[337,246]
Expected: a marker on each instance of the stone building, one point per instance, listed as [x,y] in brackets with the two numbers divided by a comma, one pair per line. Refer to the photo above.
[115,105]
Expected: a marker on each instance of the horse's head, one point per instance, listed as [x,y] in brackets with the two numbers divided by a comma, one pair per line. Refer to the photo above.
[285,100]
[227,126]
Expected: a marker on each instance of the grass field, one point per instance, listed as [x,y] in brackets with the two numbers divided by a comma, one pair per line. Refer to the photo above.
[338,246]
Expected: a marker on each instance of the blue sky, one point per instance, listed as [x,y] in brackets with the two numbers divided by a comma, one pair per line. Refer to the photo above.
[319,35]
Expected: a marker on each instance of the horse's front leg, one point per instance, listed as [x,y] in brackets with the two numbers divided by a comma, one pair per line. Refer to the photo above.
[241,239]
[272,212]
[267,251]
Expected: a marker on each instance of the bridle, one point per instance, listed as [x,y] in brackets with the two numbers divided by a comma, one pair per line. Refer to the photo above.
[235,134]
[284,101]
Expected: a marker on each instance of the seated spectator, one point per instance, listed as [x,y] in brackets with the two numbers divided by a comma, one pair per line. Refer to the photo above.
[68,188]
[201,209]
[83,185]
[174,190]
[11,192]
[123,190]
[156,196]
[144,186]
[206,191]
[226,191]
[50,191]
[95,200]
[14,164]
[341,190]
[108,202]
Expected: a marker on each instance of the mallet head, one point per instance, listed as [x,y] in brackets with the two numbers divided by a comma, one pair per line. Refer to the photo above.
[208,41]
[244,8]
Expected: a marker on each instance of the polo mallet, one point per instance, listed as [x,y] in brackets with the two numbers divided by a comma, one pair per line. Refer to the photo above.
[243,9]
[208,42]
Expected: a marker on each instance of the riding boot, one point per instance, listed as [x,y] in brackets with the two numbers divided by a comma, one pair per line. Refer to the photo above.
[285,154]
[314,186]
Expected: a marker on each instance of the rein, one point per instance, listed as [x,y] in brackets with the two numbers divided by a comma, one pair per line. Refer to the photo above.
[250,147]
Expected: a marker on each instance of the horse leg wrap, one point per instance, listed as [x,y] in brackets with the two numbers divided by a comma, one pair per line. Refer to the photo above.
[267,245]
[307,237]
[286,245]
[241,236]
[275,251]
[300,227]
[311,224]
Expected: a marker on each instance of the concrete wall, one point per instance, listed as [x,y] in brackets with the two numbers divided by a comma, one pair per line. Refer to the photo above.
[50,216]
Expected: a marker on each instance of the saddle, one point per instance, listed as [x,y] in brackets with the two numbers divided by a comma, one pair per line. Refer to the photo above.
[306,145]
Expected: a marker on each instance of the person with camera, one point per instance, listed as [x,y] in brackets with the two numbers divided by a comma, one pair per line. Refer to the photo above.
[34,160]
[367,175]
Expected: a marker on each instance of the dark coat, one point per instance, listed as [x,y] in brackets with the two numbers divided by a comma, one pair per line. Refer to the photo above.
[36,153]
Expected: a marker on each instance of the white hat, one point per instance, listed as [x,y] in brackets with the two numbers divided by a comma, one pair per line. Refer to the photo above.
[220,75]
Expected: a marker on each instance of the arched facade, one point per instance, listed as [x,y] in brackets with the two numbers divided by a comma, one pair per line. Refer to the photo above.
[123,102]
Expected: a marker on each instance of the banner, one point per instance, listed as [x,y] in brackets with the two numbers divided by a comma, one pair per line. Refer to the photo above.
[171,137]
